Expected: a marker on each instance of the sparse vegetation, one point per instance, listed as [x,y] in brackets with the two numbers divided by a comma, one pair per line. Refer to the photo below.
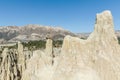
[13,47]
[83,38]
[10,47]
[119,40]
[57,43]
[33,45]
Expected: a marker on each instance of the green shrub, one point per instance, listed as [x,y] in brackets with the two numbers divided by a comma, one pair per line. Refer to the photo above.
[13,47]
[34,44]
[119,40]
[83,38]
[57,43]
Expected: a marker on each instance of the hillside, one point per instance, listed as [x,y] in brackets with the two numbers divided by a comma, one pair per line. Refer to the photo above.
[31,33]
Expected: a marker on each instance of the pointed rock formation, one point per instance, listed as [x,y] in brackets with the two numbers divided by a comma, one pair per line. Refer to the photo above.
[21,57]
[49,51]
[49,47]
[99,55]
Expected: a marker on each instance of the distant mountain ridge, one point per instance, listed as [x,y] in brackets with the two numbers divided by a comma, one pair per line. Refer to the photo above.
[31,32]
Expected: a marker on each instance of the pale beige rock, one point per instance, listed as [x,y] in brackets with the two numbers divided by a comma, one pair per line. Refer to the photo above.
[49,51]
[42,68]
[8,68]
[28,55]
[21,57]
[49,47]
[100,53]
[20,48]
[37,68]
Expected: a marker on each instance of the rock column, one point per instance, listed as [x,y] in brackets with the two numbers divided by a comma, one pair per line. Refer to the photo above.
[21,57]
[49,51]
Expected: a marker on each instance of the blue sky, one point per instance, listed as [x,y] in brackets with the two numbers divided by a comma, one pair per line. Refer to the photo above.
[73,15]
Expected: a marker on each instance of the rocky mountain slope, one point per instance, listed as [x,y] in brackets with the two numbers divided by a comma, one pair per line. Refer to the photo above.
[31,32]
